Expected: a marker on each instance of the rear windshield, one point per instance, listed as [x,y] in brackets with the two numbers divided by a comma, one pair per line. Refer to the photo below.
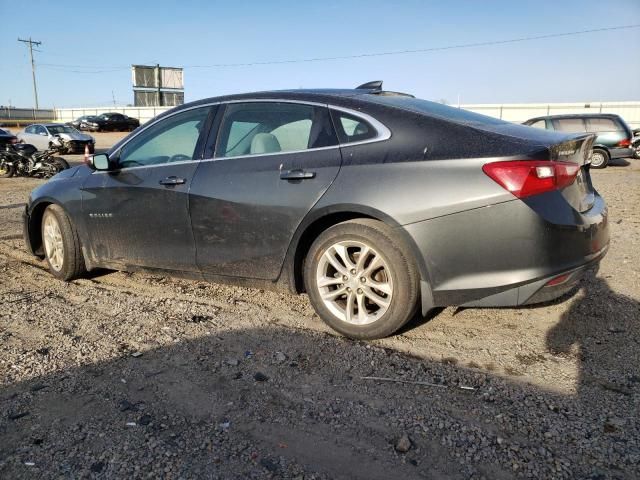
[418,105]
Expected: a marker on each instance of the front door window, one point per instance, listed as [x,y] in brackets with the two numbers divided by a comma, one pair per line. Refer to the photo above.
[173,139]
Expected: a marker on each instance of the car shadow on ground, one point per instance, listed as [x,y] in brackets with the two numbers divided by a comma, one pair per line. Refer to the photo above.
[601,329]
[619,162]
[279,402]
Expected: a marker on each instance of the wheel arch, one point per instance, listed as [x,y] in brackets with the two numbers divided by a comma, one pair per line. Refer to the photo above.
[35,224]
[318,221]
[599,146]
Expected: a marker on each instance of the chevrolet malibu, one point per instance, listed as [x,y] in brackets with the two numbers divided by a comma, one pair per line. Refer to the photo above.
[374,203]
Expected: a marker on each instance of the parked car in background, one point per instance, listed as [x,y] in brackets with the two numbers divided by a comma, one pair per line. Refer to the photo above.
[613,134]
[7,137]
[372,202]
[116,122]
[635,143]
[42,137]
[82,123]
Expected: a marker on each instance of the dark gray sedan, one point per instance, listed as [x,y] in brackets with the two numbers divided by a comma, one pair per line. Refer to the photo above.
[375,203]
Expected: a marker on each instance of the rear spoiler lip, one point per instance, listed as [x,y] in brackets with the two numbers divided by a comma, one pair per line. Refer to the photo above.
[574,148]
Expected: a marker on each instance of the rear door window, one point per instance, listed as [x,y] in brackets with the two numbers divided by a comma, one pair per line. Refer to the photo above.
[597,125]
[260,128]
[569,125]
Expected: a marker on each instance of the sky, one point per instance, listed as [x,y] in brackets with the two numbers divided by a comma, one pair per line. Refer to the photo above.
[88,47]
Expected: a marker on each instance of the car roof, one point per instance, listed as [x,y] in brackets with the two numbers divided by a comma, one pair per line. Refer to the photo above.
[52,124]
[321,95]
[575,115]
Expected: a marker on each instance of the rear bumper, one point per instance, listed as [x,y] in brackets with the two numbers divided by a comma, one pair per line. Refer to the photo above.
[505,254]
[621,152]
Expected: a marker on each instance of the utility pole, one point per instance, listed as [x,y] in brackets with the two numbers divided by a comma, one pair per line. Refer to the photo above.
[159,84]
[33,66]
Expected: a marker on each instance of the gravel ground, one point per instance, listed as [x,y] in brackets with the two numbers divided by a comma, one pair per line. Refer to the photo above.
[139,376]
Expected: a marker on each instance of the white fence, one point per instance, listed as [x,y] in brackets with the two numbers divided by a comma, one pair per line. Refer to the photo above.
[144,114]
[13,114]
[519,112]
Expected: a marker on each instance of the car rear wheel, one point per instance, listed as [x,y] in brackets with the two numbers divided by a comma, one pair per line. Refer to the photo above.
[361,280]
[599,158]
[61,244]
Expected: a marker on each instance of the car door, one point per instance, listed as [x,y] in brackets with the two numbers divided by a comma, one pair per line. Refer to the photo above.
[137,212]
[37,137]
[273,161]
[25,135]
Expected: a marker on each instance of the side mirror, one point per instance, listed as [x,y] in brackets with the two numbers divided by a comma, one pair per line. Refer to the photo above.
[100,162]
[43,134]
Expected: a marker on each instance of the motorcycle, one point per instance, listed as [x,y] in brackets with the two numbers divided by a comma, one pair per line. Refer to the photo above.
[635,143]
[23,159]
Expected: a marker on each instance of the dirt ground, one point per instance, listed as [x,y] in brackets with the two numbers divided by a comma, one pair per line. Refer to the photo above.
[138,376]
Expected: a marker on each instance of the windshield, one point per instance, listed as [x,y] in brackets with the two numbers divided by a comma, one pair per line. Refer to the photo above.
[57,129]
[446,112]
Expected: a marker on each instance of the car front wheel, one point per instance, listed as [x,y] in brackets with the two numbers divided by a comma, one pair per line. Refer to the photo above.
[61,244]
[361,280]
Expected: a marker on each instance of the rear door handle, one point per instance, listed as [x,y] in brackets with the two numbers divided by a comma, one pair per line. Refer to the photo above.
[170,181]
[296,175]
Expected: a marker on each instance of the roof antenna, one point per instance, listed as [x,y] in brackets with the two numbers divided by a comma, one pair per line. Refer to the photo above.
[375,85]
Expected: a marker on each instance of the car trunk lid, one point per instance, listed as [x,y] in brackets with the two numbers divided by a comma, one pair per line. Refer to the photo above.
[577,149]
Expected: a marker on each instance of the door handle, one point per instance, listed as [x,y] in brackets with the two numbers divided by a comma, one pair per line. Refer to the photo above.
[170,181]
[296,175]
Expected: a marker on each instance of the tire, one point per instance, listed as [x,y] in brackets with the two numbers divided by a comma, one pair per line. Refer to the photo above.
[385,307]
[59,233]
[6,170]
[599,158]
[61,163]
[636,150]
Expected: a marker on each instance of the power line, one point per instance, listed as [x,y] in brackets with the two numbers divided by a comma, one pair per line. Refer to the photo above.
[33,66]
[418,50]
[104,69]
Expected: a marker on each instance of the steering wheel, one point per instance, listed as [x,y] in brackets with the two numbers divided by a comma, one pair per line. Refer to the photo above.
[179,158]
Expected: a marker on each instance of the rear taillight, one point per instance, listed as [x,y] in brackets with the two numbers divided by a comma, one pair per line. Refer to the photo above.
[624,143]
[525,178]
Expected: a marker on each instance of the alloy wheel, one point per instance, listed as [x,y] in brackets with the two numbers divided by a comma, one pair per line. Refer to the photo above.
[53,244]
[354,282]
[597,159]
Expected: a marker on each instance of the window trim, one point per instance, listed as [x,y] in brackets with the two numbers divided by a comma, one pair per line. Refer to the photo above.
[382,132]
